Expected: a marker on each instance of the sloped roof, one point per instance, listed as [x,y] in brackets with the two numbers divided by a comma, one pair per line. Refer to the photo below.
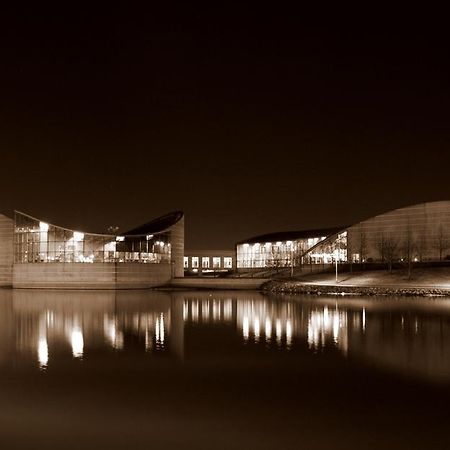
[157,225]
[292,235]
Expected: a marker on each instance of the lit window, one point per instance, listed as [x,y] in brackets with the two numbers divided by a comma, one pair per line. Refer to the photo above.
[186,262]
[77,236]
[216,262]
[43,226]
[205,262]
[195,262]
[228,262]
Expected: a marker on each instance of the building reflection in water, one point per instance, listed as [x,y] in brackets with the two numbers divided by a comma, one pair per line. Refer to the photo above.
[42,328]
[328,324]
[46,326]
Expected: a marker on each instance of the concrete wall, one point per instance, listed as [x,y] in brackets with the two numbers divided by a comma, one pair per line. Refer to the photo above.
[90,276]
[134,275]
[421,230]
[177,249]
[6,250]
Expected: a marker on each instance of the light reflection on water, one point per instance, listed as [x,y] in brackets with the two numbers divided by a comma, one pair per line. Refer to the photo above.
[408,336]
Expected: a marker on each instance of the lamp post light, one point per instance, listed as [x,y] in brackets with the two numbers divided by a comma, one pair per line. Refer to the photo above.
[336,255]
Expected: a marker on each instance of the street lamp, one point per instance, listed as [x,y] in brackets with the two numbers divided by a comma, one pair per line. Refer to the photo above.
[336,255]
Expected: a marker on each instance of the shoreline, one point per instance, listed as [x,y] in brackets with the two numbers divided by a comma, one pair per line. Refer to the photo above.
[295,287]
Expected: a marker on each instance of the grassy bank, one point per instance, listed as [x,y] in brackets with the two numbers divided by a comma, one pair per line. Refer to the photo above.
[423,282]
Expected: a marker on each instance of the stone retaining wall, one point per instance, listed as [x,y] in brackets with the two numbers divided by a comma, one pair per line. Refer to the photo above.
[309,289]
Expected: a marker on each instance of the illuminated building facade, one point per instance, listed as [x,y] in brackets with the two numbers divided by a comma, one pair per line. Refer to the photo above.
[418,233]
[207,262]
[292,249]
[36,254]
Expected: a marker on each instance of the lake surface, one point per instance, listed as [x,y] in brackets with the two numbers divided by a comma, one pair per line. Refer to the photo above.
[222,370]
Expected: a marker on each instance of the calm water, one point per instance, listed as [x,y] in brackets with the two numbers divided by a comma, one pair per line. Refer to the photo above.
[228,370]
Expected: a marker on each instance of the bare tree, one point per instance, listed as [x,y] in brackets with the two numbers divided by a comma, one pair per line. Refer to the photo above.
[276,260]
[442,242]
[362,244]
[381,247]
[390,250]
[408,245]
[350,253]
[420,244]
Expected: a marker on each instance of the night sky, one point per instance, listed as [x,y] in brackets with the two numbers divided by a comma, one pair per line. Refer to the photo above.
[250,121]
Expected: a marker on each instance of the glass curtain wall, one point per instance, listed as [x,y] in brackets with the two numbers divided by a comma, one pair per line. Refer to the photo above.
[40,242]
[292,253]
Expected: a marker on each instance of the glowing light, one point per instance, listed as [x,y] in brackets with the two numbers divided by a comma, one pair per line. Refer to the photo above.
[77,343]
[336,326]
[43,227]
[185,311]
[326,324]
[326,320]
[43,353]
[268,330]
[245,245]
[256,329]
[288,333]
[159,329]
[245,327]
[149,237]
[205,310]
[194,311]
[364,319]
[78,236]
[278,331]
[216,310]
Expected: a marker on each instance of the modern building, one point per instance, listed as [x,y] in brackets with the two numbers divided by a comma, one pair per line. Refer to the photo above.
[207,262]
[418,233]
[37,254]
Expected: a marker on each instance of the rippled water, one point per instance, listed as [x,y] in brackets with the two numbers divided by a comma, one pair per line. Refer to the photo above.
[139,369]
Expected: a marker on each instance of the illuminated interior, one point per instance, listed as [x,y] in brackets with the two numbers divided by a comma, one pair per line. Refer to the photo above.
[40,242]
[293,253]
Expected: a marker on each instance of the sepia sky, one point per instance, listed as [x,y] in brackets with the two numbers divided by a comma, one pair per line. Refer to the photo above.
[250,121]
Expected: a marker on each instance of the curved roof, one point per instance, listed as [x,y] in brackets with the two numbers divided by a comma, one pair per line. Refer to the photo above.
[436,204]
[292,235]
[157,225]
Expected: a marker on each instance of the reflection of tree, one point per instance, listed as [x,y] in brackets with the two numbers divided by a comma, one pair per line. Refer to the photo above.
[442,241]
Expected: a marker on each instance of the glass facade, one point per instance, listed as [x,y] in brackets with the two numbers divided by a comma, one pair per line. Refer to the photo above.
[312,250]
[228,262]
[39,242]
